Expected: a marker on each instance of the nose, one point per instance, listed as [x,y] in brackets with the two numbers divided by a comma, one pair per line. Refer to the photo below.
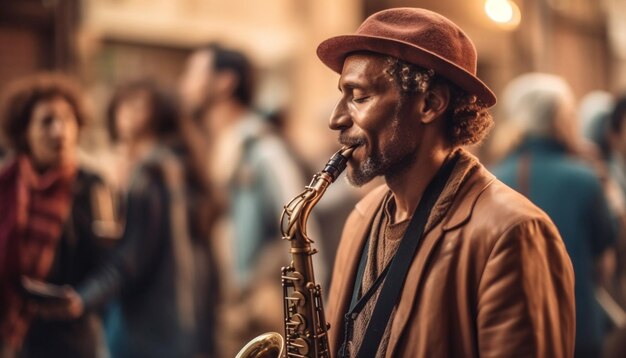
[340,118]
[57,128]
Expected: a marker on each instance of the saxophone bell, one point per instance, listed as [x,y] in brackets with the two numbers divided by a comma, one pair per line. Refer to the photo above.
[267,345]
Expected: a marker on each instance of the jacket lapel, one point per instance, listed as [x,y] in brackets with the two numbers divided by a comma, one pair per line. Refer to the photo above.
[354,237]
[458,215]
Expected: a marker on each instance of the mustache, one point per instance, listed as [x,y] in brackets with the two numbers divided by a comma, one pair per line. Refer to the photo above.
[346,140]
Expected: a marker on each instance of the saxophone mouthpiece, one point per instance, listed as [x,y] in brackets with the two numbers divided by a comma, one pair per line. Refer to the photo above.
[338,162]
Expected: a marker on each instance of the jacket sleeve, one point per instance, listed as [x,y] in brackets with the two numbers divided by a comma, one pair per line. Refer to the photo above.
[142,244]
[526,295]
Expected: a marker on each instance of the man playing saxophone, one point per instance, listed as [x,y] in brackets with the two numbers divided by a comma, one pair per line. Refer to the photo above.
[443,260]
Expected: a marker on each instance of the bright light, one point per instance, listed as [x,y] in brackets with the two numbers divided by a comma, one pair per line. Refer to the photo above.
[504,12]
[499,10]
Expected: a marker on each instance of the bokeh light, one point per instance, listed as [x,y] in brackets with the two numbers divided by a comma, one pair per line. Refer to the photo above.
[503,12]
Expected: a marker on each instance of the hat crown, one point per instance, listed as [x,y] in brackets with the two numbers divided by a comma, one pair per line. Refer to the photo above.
[426,29]
[417,36]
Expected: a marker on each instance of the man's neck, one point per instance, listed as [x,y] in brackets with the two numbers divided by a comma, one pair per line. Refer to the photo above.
[408,187]
[223,115]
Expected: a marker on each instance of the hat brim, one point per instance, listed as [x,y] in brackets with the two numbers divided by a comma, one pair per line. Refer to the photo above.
[333,52]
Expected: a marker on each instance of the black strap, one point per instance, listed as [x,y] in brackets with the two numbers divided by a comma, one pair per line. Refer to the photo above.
[396,271]
[358,303]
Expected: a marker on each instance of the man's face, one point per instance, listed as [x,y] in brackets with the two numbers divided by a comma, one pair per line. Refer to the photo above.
[195,86]
[52,133]
[373,114]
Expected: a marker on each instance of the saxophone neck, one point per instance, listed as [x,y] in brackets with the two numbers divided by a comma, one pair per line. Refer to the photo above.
[296,212]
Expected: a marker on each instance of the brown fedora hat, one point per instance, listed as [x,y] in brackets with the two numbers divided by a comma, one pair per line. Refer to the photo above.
[418,36]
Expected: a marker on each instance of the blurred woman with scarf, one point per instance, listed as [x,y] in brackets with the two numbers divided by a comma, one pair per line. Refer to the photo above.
[53,211]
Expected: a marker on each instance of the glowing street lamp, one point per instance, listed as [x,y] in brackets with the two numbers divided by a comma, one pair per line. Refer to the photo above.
[504,12]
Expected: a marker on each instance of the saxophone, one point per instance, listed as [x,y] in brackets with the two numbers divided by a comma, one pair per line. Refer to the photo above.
[306,329]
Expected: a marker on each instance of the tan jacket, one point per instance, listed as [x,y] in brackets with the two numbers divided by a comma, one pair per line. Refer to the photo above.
[491,279]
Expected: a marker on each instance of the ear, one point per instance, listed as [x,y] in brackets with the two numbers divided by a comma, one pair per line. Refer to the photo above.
[435,103]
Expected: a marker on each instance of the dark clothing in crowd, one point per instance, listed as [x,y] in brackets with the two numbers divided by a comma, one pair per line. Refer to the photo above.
[572,195]
[162,270]
[71,255]
[80,251]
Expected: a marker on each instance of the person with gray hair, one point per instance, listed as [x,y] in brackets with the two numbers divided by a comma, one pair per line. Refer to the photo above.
[542,105]
[545,167]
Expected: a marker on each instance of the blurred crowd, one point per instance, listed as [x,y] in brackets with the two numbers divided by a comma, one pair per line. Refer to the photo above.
[178,254]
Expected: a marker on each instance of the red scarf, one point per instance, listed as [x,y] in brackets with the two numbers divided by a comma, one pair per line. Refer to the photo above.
[33,210]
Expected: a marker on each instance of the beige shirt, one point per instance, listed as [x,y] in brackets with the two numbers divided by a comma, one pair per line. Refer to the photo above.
[383,246]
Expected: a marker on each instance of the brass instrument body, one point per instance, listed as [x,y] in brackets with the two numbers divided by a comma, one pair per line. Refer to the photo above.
[306,329]
[305,325]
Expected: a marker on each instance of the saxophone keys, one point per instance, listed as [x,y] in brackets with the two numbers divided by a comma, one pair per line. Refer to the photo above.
[296,321]
[301,345]
[295,276]
[297,298]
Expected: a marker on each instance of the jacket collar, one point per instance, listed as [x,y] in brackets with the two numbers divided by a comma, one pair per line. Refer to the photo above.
[461,209]
[459,183]
[463,169]
[457,203]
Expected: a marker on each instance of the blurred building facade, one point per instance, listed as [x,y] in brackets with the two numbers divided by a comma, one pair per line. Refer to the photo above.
[36,35]
[106,42]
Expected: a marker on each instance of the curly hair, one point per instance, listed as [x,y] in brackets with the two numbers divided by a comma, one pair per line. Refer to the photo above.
[468,119]
[20,98]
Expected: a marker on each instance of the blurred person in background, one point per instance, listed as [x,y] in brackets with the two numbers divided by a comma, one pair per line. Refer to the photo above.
[546,167]
[55,214]
[251,165]
[163,270]
[616,149]
[595,112]
[612,132]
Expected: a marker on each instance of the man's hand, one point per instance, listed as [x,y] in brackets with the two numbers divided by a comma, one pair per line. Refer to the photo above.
[70,306]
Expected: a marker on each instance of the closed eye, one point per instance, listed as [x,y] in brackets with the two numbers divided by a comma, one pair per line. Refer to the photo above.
[361,99]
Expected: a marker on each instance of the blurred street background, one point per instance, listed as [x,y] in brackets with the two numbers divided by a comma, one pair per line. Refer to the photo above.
[194,84]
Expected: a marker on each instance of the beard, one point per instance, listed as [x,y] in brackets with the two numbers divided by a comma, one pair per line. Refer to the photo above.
[389,162]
